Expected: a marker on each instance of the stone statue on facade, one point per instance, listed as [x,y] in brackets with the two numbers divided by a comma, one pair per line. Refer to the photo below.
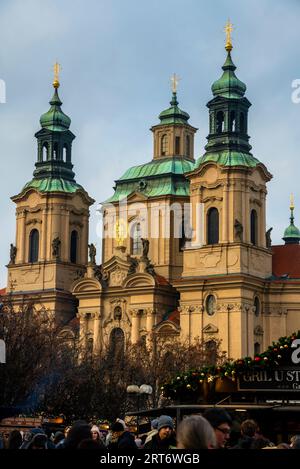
[268,238]
[13,253]
[238,228]
[145,247]
[56,247]
[92,253]
[133,265]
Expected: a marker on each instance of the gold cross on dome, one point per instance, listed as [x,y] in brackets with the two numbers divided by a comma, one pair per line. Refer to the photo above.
[57,68]
[175,80]
[228,30]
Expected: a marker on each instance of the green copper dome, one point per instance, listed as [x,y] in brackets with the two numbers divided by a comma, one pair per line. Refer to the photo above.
[174,115]
[229,86]
[55,119]
[291,233]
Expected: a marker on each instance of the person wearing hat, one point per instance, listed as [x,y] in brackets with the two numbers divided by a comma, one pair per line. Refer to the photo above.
[221,422]
[164,438]
[121,438]
[153,431]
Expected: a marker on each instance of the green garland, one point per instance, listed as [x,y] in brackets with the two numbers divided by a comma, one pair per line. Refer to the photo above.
[189,384]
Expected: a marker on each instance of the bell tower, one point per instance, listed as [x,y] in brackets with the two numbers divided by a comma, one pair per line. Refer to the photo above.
[52,213]
[229,258]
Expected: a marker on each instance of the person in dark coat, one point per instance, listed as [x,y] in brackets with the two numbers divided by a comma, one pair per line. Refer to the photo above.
[248,432]
[221,422]
[121,439]
[164,438]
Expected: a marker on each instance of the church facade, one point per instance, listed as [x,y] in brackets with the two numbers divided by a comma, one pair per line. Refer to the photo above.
[186,252]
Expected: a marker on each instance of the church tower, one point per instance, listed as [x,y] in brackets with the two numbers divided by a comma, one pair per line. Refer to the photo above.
[228,258]
[52,213]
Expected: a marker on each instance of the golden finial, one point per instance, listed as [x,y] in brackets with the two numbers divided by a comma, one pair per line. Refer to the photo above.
[57,69]
[174,80]
[228,30]
[292,205]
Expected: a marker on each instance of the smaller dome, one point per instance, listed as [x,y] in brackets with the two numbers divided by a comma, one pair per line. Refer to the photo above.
[291,234]
[228,85]
[55,119]
[174,115]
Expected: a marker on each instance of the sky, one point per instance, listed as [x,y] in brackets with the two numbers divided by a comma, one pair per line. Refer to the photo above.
[117,58]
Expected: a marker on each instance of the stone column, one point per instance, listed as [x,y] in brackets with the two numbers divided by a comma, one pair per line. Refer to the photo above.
[247,215]
[225,220]
[97,326]
[150,321]
[67,234]
[262,221]
[135,333]
[84,240]
[44,234]
[21,237]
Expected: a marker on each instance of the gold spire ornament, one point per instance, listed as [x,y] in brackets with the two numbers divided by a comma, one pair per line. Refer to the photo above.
[228,30]
[57,69]
[292,204]
[174,80]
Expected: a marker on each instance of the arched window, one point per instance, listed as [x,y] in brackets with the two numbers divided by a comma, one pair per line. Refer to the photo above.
[256,348]
[117,313]
[137,244]
[188,145]
[211,305]
[242,122]
[33,246]
[220,122]
[65,153]
[73,247]
[212,226]
[253,227]
[164,145]
[117,343]
[45,152]
[232,122]
[55,151]
[177,145]
[256,306]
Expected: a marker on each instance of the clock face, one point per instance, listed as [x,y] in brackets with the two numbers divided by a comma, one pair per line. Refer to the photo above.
[211,305]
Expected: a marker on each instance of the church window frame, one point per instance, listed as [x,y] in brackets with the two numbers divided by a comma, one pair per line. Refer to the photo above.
[34,241]
[220,122]
[74,247]
[254,227]
[164,145]
[136,239]
[177,145]
[213,226]
[211,304]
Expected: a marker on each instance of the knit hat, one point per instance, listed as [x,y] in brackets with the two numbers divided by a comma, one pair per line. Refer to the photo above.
[154,423]
[165,421]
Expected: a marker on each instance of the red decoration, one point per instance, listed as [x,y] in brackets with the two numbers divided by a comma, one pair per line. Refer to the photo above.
[257,359]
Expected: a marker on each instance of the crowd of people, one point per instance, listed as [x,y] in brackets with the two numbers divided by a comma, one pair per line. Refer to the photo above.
[212,430]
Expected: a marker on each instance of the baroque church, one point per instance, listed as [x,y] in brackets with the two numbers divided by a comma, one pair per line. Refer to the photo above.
[188,255]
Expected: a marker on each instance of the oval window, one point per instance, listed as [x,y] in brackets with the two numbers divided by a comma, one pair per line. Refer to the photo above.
[211,305]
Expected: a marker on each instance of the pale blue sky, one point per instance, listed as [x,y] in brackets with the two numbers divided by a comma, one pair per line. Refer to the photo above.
[117,57]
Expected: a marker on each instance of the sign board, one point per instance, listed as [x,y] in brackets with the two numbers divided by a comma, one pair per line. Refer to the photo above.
[276,379]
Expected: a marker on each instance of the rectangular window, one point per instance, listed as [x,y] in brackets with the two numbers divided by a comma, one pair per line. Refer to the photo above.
[177,145]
